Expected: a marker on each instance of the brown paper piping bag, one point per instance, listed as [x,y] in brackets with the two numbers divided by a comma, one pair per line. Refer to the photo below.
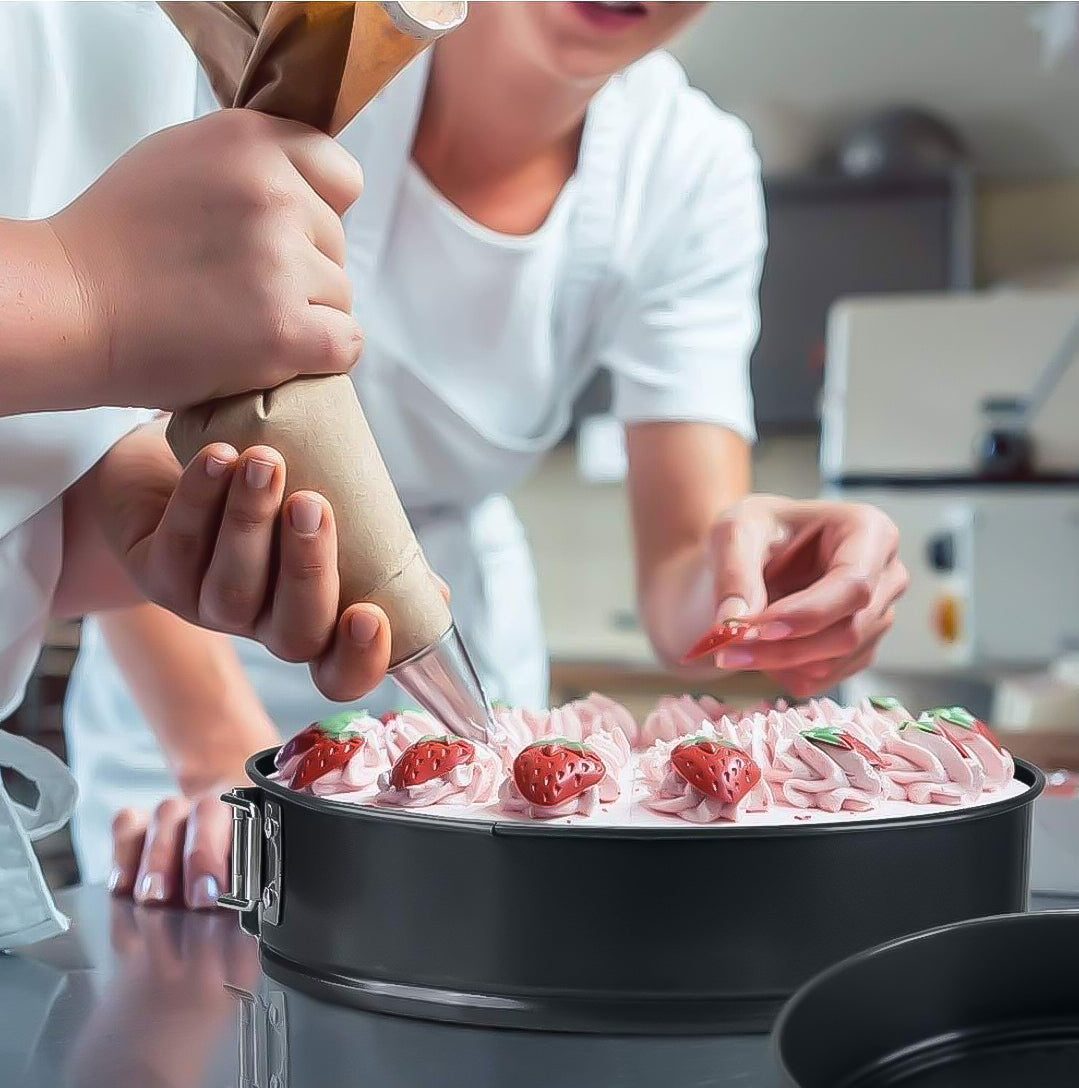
[320,63]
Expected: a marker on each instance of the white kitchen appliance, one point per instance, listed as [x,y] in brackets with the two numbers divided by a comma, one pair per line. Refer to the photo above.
[959,416]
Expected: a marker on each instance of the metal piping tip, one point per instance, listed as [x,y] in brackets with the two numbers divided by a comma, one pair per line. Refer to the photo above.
[443,680]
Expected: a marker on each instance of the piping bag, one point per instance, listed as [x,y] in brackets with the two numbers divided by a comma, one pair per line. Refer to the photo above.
[321,63]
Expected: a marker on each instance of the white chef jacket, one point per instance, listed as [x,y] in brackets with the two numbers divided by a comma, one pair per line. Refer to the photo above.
[648,265]
[79,85]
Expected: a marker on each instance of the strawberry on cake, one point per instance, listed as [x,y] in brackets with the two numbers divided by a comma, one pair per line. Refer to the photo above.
[702,778]
[341,754]
[440,769]
[557,776]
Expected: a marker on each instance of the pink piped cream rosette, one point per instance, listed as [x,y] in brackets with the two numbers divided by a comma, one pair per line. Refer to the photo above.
[808,773]
[668,791]
[927,767]
[609,745]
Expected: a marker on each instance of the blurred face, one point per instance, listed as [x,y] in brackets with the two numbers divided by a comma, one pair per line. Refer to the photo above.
[580,42]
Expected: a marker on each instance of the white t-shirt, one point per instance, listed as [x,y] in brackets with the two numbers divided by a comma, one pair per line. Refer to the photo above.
[477,345]
[79,85]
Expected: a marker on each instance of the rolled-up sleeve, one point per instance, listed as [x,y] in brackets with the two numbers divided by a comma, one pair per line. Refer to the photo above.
[689,318]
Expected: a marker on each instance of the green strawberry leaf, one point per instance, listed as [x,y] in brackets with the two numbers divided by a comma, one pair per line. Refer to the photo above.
[562,742]
[884,702]
[345,722]
[925,723]
[826,734]
[956,715]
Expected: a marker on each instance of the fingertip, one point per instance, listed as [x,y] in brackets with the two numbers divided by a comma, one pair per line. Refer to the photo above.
[306,512]
[363,624]
[360,655]
[732,608]
[218,459]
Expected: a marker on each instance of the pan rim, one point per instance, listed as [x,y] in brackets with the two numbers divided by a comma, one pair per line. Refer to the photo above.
[804,992]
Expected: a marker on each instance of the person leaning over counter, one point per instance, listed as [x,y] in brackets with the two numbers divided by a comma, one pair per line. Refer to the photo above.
[545,196]
[206,260]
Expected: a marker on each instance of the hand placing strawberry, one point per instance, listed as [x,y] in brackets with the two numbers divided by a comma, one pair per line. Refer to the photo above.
[556,770]
[840,738]
[428,758]
[717,769]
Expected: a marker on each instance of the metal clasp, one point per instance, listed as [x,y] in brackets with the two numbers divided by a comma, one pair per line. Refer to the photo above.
[254,893]
[246,890]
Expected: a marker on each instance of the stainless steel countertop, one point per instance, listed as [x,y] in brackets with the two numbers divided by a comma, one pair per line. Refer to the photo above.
[137,998]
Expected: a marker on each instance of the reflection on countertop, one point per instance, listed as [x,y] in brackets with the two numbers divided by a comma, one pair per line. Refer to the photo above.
[157,998]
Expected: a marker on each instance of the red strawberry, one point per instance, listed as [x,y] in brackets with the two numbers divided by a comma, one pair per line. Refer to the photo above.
[429,758]
[716,768]
[963,719]
[840,738]
[725,633]
[325,756]
[332,728]
[556,770]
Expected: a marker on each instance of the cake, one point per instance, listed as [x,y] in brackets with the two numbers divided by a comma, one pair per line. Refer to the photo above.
[690,761]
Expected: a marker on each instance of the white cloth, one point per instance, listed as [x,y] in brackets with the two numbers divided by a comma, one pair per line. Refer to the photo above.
[27,912]
[476,348]
[79,85]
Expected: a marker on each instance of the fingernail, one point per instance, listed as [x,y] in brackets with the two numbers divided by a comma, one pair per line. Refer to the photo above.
[216,467]
[734,659]
[731,609]
[775,631]
[306,516]
[151,889]
[363,627]
[258,474]
[116,878]
[204,893]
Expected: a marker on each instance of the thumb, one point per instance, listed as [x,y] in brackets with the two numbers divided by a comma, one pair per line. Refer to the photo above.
[740,545]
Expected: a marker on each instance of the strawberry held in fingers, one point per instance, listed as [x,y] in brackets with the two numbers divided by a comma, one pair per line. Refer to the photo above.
[723,634]
[440,769]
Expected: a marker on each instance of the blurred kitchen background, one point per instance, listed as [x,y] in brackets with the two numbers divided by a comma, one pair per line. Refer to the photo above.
[920,311]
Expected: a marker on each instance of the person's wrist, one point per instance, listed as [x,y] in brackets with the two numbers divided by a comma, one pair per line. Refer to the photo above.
[87,316]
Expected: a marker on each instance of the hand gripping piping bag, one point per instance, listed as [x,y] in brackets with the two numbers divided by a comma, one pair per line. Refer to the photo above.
[320,63]
[27,911]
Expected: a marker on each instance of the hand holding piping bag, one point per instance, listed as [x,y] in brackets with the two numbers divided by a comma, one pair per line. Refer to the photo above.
[813,581]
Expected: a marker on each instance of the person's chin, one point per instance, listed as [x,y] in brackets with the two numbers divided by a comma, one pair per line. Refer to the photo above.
[586,42]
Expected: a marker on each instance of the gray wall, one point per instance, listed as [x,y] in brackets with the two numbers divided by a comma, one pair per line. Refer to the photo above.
[796,71]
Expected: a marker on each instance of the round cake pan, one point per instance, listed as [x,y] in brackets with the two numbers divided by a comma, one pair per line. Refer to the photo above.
[680,929]
[991,1003]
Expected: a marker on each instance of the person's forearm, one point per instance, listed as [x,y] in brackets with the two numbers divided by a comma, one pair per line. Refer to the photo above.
[681,477]
[49,354]
[92,578]
[193,691]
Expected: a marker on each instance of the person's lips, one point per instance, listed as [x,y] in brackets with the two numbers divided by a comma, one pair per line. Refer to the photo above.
[611,16]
